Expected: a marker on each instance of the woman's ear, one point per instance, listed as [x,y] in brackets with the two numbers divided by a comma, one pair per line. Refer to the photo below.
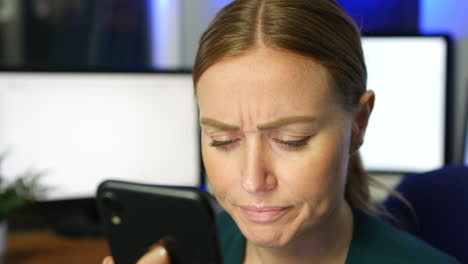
[361,118]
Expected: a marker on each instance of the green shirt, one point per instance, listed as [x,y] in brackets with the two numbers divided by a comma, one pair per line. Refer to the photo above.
[373,242]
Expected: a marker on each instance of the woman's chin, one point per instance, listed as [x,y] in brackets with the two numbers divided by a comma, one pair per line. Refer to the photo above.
[267,243]
[268,238]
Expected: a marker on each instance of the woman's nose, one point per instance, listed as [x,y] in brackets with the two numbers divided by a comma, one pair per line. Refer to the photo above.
[257,173]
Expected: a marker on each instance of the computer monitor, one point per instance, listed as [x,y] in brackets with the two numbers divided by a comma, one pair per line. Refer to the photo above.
[407,130]
[85,127]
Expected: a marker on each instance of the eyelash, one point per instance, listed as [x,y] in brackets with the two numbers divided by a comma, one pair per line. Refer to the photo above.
[223,145]
[286,145]
[292,145]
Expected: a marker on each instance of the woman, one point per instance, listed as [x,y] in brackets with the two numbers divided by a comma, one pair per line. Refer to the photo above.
[281,88]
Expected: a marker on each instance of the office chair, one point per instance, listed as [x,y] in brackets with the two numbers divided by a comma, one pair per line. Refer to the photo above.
[440,202]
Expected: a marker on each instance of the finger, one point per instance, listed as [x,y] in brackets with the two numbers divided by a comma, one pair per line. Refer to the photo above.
[157,255]
[108,260]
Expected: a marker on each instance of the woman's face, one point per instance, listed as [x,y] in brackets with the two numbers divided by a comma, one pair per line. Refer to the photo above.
[275,143]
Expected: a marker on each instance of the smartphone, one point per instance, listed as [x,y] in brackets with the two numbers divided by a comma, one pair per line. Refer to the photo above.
[136,216]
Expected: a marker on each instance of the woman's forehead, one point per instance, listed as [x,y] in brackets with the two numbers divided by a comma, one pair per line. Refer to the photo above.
[265,80]
[263,64]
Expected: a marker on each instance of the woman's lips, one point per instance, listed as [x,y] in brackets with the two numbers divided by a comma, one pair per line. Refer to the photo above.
[264,214]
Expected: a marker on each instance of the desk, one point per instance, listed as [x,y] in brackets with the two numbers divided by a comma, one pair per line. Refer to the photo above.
[46,247]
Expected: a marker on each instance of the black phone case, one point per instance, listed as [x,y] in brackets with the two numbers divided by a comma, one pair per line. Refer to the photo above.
[136,216]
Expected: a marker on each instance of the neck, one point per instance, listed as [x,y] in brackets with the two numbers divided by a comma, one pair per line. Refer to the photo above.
[327,243]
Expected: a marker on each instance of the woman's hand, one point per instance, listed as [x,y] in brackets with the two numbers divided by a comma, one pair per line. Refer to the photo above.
[157,255]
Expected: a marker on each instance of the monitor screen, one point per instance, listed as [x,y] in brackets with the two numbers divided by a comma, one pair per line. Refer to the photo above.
[406,132]
[82,128]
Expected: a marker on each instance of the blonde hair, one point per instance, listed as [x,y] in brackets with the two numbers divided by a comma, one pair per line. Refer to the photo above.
[318,29]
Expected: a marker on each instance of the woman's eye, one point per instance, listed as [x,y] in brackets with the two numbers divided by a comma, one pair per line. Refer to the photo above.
[224,145]
[292,144]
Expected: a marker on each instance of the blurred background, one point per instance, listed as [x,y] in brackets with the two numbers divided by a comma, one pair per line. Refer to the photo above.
[163,34]
[129,37]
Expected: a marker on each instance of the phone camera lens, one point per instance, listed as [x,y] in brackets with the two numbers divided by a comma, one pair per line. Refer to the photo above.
[110,201]
[116,220]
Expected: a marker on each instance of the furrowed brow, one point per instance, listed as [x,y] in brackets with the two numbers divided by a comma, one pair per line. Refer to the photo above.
[286,121]
[218,124]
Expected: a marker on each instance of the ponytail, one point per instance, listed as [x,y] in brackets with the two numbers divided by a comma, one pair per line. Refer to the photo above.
[357,190]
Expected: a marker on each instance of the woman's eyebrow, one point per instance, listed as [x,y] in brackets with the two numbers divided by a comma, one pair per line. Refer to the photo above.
[286,121]
[267,126]
[218,124]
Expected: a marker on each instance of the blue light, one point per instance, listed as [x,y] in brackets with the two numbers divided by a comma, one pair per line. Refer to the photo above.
[225,2]
[216,5]
[164,29]
[163,4]
[152,10]
[446,16]
[431,15]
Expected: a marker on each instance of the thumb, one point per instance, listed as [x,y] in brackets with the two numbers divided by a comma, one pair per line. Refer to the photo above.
[157,255]
[108,260]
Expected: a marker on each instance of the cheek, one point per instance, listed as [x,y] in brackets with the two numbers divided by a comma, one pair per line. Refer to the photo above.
[318,174]
[220,170]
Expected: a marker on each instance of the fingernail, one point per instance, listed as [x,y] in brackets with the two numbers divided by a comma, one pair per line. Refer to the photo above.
[107,260]
[158,254]
[161,251]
